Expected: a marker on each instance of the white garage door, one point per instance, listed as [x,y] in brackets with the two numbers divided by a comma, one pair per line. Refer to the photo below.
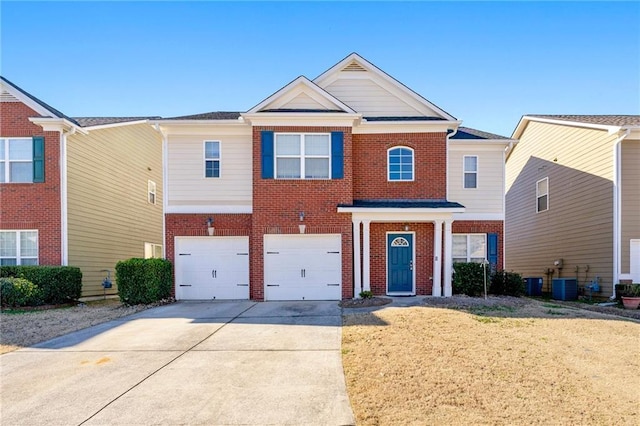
[303,267]
[212,268]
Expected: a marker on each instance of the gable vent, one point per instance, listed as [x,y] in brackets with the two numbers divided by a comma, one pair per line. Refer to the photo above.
[8,97]
[353,66]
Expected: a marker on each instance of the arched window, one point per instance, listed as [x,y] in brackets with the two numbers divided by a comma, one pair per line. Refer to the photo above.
[400,164]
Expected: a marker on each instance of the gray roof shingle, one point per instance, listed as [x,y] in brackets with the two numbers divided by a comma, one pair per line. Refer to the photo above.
[606,120]
[469,133]
[404,204]
[214,115]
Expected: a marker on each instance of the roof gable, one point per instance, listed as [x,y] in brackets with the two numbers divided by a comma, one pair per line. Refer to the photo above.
[301,95]
[373,93]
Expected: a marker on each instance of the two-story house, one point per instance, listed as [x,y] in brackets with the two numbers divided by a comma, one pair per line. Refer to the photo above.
[329,187]
[573,199]
[84,192]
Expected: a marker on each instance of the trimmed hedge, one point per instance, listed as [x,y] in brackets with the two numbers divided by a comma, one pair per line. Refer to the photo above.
[507,283]
[16,292]
[469,278]
[143,281]
[59,284]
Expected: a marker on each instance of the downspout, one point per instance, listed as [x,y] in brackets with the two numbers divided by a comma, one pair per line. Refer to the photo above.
[617,210]
[165,191]
[64,226]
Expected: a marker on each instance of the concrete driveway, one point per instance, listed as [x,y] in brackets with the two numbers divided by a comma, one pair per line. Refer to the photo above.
[186,363]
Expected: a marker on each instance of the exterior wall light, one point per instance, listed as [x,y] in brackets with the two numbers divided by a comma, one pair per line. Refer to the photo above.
[210,228]
[302,226]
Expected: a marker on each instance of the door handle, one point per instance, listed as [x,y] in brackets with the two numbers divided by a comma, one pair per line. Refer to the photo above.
[411,265]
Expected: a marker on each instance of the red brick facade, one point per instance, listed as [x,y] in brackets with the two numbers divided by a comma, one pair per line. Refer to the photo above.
[370,166]
[278,202]
[33,206]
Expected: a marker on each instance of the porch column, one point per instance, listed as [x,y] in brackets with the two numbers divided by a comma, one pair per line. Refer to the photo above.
[357,274]
[366,277]
[437,259]
[448,245]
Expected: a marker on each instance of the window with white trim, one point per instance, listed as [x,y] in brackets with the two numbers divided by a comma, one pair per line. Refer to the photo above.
[212,159]
[542,195]
[303,156]
[469,248]
[16,160]
[151,192]
[152,250]
[18,248]
[400,164]
[470,171]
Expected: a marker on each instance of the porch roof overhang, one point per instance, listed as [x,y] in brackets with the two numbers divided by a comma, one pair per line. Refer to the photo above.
[415,210]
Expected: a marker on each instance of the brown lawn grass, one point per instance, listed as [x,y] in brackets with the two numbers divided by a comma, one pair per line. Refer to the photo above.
[502,365]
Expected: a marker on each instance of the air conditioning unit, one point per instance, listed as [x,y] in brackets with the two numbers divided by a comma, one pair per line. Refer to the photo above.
[564,289]
[533,286]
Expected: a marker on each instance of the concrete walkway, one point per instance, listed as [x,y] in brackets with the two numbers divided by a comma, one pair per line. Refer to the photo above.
[205,363]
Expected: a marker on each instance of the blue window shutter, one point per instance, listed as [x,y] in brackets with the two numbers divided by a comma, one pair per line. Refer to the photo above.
[492,249]
[337,155]
[266,139]
[38,159]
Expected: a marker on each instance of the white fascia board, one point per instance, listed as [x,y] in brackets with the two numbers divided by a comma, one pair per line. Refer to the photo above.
[479,216]
[213,209]
[517,133]
[238,122]
[206,129]
[304,81]
[120,124]
[335,119]
[55,124]
[330,75]
[26,100]
[479,144]
[376,127]
[404,216]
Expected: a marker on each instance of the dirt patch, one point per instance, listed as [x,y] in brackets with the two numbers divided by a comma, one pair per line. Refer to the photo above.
[501,361]
[23,328]
[365,303]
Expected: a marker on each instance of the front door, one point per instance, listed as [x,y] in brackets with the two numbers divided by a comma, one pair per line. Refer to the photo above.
[400,264]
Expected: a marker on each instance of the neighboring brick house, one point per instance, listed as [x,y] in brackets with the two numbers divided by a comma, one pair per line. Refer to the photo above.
[329,187]
[573,199]
[85,192]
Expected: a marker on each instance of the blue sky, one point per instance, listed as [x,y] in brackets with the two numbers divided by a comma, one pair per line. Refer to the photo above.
[484,63]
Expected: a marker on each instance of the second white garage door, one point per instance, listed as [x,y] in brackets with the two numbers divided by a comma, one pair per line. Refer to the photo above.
[303,267]
[212,268]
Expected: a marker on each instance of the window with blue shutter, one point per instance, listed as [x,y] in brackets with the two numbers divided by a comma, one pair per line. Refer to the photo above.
[266,146]
[38,159]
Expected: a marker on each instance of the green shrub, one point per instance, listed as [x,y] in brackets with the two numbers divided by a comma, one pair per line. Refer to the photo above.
[469,278]
[59,284]
[143,281]
[15,292]
[366,294]
[507,283]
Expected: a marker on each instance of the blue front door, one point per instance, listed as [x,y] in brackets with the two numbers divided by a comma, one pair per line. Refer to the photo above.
[400,263]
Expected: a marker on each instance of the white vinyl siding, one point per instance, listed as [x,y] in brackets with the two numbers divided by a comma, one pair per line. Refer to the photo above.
[16,160]
[186,183]
[18,248]
[630,226]
[470,165]
[488,196]
[542,195]
[469,248]
[302,156]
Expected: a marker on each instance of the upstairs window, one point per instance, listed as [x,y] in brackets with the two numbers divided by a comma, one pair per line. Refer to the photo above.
[152,251]
[151,192]
[470,171]
[16,160]
[542,195]
[302,156]
[18,248]
[212,159]
[400,164]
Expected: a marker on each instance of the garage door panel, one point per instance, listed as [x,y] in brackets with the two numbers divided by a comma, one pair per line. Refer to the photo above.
[212,268]
[303,267]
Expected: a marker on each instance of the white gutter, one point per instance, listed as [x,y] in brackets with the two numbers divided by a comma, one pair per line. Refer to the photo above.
[617,208]
[165,188]
[446,159]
